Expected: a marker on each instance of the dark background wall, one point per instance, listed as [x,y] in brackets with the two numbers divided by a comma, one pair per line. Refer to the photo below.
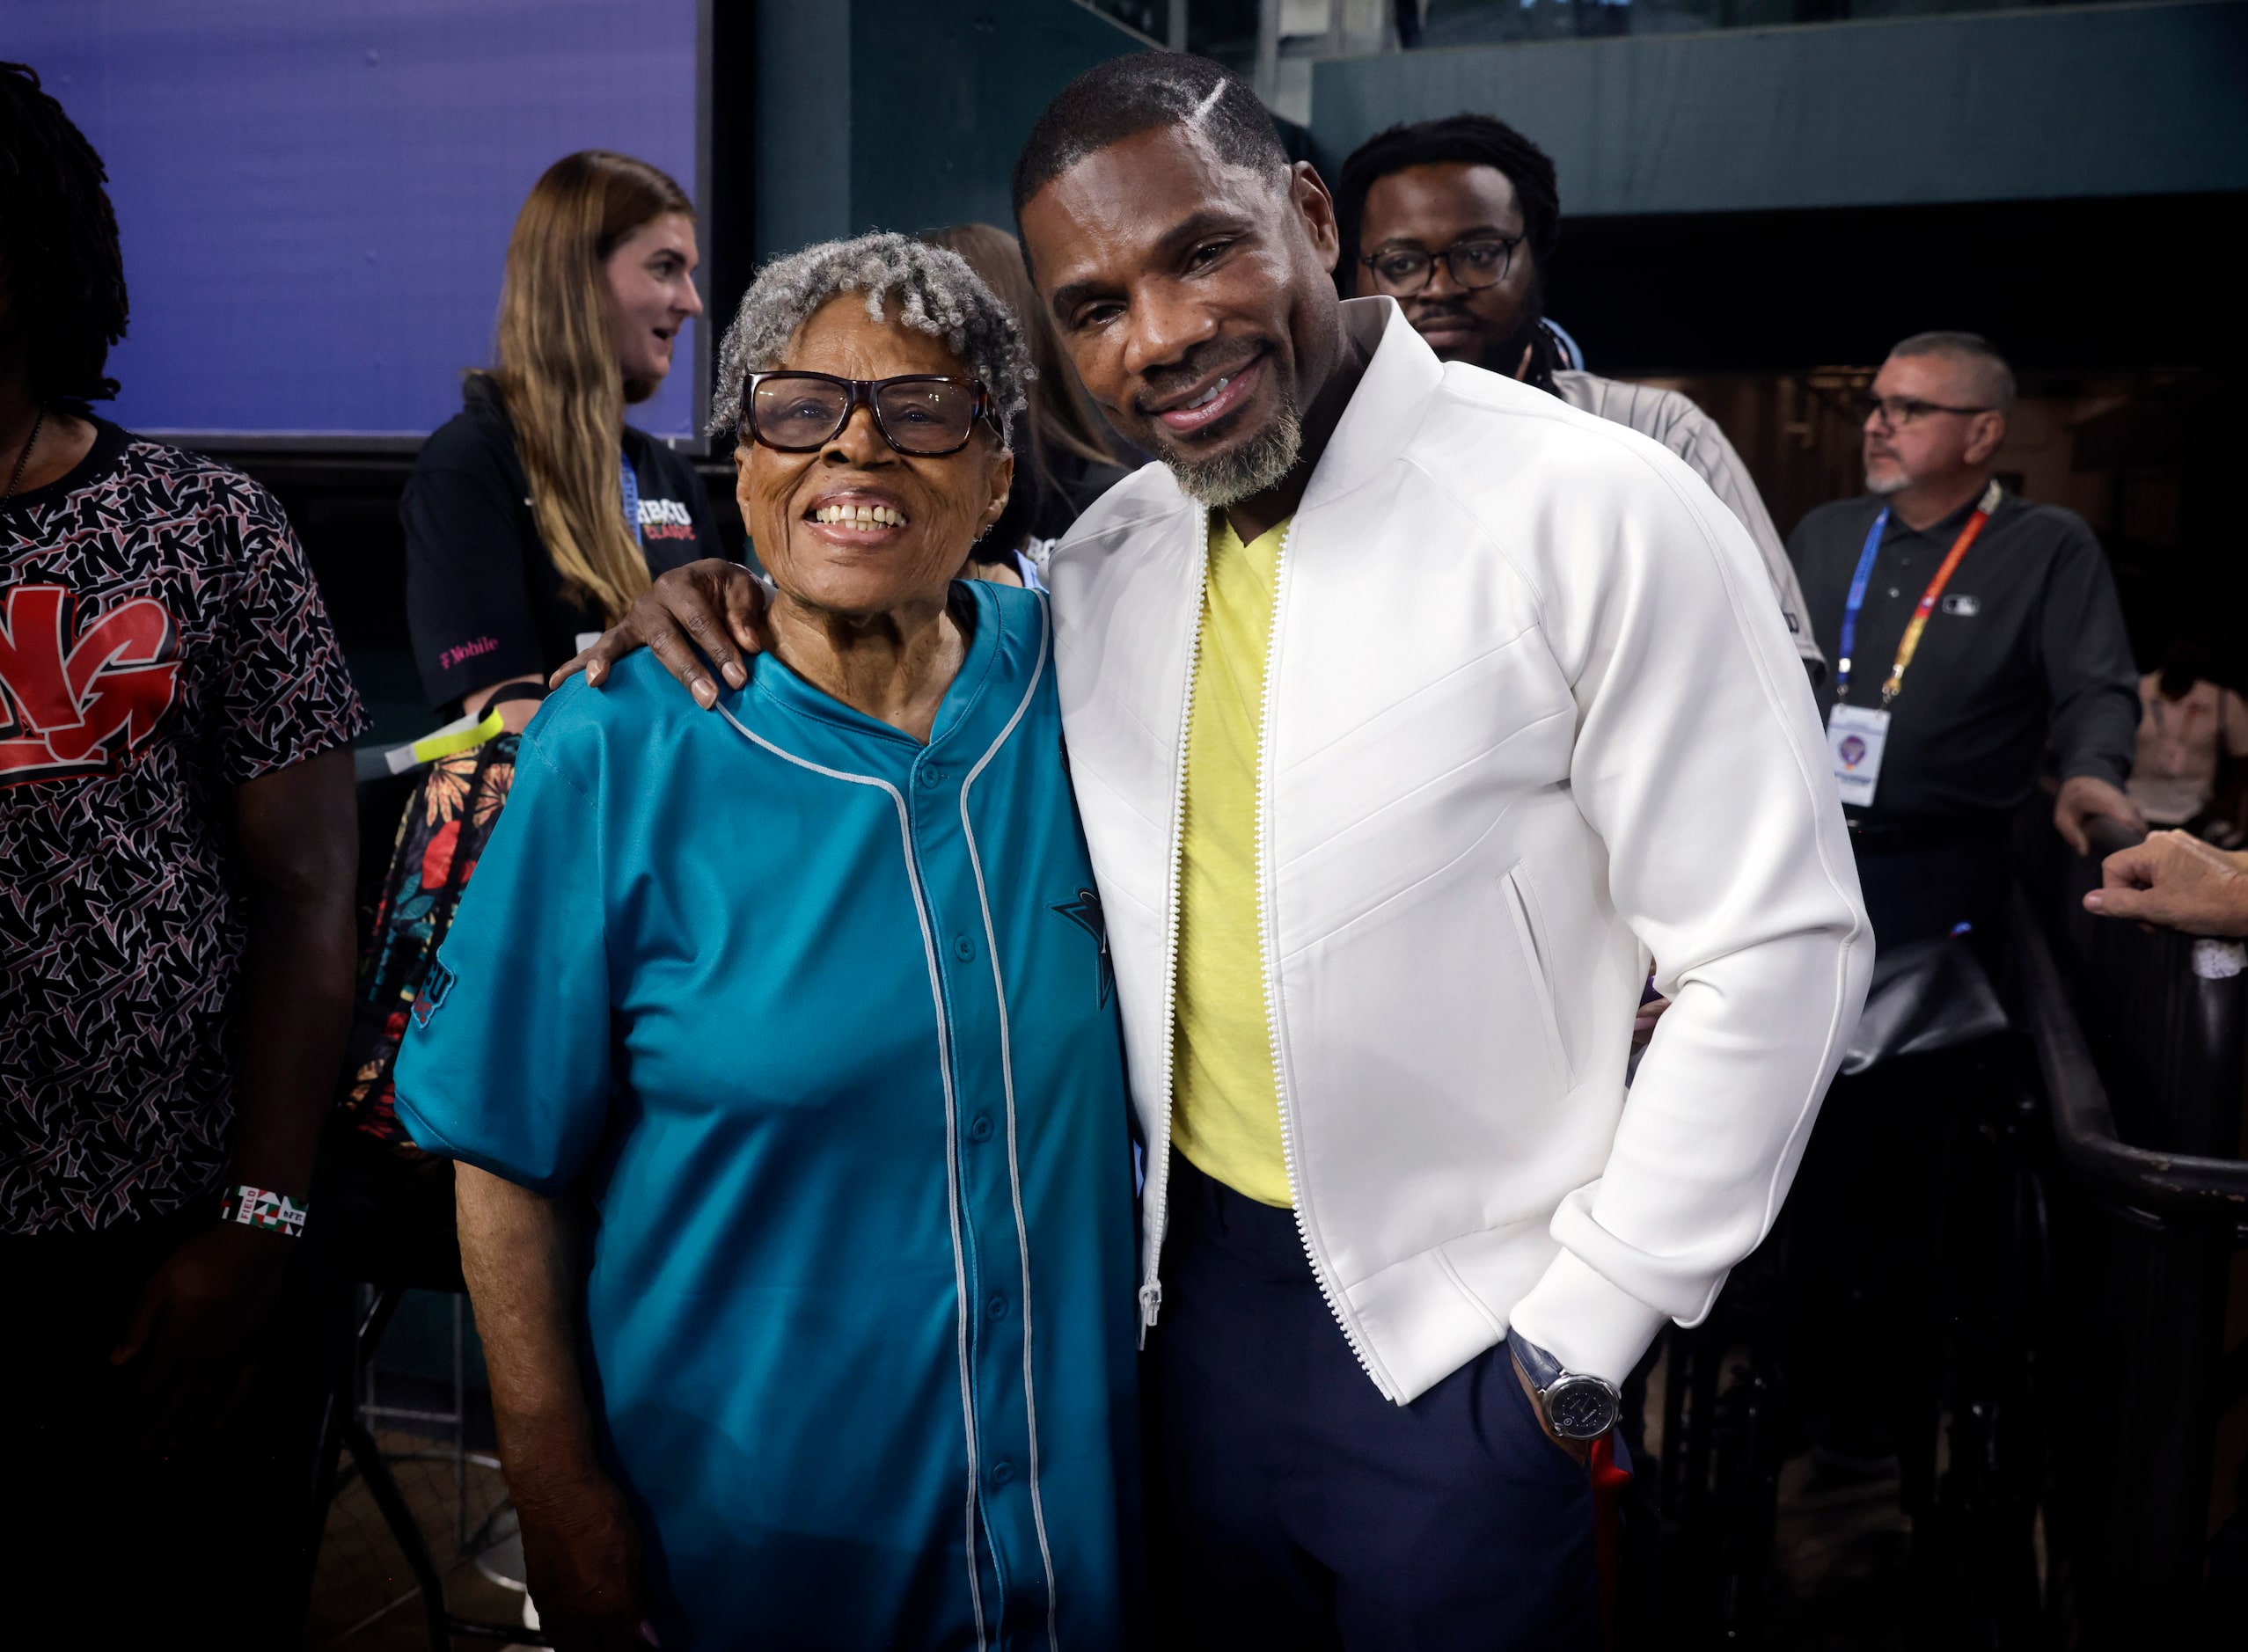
[2068,182]
[899,115]
[2102,100]
[1740,202]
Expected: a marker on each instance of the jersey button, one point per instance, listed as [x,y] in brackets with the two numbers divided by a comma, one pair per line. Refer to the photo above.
[981,1130]
[997,1306]
[963,948]
[1002,1472]
[933,776]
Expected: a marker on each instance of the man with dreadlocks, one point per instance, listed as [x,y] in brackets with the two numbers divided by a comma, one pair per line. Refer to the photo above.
[177,844]
[1456,219]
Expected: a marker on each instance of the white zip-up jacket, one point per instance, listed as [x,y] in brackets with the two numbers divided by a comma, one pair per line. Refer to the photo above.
[1530,715]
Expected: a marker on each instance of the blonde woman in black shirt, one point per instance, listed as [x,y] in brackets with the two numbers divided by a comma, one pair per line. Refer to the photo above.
[537,514]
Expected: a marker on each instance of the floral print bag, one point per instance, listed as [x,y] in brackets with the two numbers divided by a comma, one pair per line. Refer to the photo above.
[447,820]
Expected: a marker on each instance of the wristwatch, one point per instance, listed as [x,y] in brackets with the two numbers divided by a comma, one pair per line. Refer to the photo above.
[1576,1406]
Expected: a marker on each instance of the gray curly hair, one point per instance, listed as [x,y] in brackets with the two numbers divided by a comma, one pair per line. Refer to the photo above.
[937,293]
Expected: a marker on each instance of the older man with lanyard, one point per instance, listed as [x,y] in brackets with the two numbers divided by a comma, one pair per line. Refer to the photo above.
[2002,616]
[1976,639]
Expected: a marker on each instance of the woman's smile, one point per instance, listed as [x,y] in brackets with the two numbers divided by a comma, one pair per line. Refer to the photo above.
[858,517]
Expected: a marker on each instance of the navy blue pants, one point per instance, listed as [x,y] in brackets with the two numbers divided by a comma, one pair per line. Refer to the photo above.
[1293,1506]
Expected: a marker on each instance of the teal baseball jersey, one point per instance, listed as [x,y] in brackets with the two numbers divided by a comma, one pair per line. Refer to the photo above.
[820,1021]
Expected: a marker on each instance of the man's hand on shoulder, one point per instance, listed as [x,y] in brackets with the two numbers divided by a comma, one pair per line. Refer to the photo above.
[2176,880]
[708,613]
[2084,796]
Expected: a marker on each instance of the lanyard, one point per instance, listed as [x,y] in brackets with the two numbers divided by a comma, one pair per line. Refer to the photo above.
[1909,644]
[631,498]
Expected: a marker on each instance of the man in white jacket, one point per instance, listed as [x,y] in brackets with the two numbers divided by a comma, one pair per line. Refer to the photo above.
[1409,711]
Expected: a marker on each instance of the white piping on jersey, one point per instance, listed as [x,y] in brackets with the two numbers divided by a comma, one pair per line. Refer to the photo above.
[1006,1075]
[951,1130]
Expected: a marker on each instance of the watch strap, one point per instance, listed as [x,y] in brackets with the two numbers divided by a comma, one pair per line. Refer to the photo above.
[1543,1369]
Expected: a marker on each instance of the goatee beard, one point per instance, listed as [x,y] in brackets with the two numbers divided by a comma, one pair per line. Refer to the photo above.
[1258,464]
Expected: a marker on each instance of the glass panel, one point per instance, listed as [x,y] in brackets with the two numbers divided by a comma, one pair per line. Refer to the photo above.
[1226,30]
[1485,22]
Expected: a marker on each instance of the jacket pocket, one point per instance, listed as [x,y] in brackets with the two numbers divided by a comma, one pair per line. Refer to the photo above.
[1521,900]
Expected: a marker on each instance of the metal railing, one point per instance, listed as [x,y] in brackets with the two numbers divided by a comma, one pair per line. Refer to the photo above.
[2140,1038]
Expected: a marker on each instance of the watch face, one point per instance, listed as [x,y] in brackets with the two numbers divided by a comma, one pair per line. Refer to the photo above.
[1580,1407]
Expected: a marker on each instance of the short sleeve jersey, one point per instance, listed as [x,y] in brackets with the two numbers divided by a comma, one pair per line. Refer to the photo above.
[162,642]
[822,1020]
[484,601]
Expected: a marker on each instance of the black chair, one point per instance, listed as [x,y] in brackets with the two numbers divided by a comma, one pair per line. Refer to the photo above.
[397,1236]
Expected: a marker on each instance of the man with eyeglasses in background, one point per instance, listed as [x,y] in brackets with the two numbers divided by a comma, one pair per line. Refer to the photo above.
[1976,639]
[1456,219]
[1977,644]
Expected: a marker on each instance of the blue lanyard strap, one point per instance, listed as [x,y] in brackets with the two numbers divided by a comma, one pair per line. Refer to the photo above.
[632,500]
[1858,582]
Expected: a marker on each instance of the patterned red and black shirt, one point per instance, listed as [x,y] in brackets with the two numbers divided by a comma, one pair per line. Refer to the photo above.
[162,641]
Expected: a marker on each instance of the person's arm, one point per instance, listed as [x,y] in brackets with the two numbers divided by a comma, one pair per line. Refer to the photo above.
[1713,457]
[200,1319]
[519,1254]
[710,609]
[2093,685]
[2175,880]
[287,712]
[506,1070]
[1700,763]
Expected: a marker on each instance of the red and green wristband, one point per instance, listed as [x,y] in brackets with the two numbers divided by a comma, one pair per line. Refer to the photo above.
[255,1206]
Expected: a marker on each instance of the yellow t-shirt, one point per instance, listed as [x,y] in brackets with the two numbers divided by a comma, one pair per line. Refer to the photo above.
[1224,1106]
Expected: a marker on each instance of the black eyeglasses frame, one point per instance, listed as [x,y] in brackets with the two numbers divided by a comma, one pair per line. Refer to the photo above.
[858,392]
[1510,242]
[1870,405]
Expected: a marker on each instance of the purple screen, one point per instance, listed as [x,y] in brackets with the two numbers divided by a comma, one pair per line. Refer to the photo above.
[315,195]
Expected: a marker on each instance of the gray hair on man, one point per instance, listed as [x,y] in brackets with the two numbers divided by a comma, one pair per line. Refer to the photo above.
[1993,380]
[934,287]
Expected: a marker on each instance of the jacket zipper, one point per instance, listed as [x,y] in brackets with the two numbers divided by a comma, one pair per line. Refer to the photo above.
[1159,1162]
[1267,958]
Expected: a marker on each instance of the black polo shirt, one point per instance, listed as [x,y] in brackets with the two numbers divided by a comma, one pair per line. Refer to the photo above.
[484,601]
[2025,655]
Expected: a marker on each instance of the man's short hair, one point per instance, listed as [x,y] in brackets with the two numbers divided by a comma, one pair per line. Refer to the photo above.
[1993,379]
[1138,92]
[59,260]
[1470,140]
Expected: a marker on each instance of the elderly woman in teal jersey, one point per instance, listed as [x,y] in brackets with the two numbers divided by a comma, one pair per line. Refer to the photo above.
[777,1051]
